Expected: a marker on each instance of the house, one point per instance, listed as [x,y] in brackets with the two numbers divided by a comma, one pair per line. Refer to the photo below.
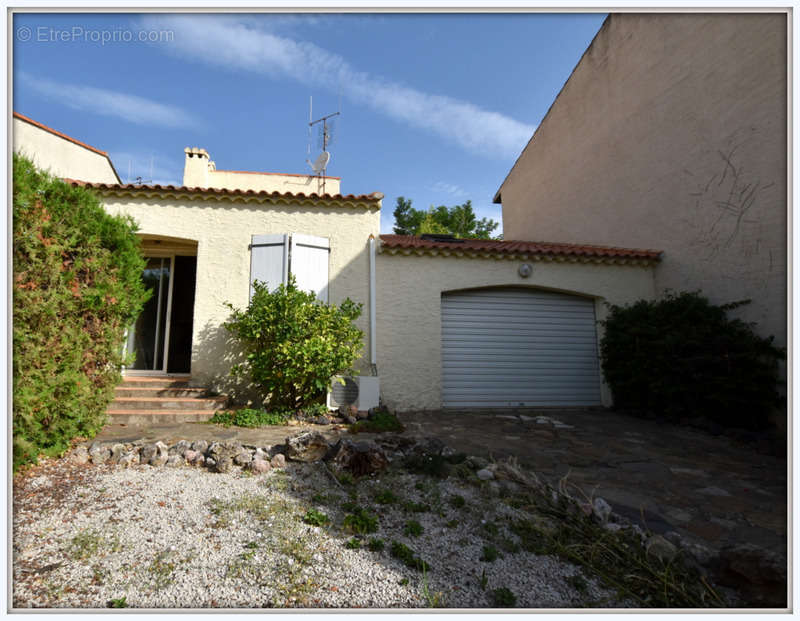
[61,155]
[671,133]
[447,323]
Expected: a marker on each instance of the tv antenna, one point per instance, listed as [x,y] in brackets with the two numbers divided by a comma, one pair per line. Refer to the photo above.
[139,180]
[320,165]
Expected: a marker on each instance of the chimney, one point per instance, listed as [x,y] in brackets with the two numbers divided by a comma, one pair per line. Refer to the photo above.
[196,168]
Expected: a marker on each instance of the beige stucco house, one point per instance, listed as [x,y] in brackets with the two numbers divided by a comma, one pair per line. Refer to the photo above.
[671,133]
[61,155]
[447,323]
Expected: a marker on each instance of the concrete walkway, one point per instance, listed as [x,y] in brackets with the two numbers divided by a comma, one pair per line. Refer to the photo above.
[709,489]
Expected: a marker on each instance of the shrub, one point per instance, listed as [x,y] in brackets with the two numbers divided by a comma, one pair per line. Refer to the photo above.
[682,357]
[77,287]
[293,343]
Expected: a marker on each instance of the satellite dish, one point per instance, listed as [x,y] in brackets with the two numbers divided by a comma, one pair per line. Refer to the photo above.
[321,163]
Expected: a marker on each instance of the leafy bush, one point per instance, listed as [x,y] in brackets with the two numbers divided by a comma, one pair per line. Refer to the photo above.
[682,357]
[294,344]
[249,417]
[77,287]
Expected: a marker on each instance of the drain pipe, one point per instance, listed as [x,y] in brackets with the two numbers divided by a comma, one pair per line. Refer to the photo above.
[373,356]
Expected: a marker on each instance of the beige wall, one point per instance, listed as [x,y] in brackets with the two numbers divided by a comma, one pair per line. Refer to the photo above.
[671,135]
[59,156]
[409,310]
[200,172]
[223,232]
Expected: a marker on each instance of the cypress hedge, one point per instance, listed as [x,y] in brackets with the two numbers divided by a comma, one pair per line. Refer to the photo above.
[76,287]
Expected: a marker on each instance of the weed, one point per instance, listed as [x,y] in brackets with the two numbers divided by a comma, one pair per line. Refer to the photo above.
[457,501]
[420,486]
[503,598]
[405,554]
[353,544]
[345,478]
[321,499]
[386,497]
[491,529]
[403,581]
[119,602]
[578,583]
[86,544]
[375,545]
[161,570]
[350,506]
[484,580]
[452,524]
[249,417]
[490,554]
[431,465]
[379,422]
[415,507]
[434,599]
[99,574]
[412,529]
[315,518]
[297,549]
[361,522]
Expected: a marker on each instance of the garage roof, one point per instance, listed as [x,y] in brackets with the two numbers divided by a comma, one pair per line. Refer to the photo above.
[410,244]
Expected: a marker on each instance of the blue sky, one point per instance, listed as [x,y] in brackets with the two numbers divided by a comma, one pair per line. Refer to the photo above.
[434,107]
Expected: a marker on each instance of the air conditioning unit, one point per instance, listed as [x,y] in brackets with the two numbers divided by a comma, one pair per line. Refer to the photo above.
[360,391]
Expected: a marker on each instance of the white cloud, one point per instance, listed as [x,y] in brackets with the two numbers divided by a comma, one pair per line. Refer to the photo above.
[449,188]
[131,108]
[230,43]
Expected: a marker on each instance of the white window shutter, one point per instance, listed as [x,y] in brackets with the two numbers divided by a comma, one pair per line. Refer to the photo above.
[269,260]
[310,264]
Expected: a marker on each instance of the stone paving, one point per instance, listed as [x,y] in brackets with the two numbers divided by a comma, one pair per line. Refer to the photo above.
[709,489]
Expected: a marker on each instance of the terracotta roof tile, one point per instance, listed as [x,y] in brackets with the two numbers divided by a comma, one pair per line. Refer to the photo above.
[181,189]
[412,242]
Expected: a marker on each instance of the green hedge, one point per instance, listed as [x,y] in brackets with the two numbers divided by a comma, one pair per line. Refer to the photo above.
[682,357]
[77,286]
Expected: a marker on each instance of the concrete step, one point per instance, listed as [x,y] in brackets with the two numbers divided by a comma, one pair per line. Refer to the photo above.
[168,403]
[125,391]
[172,381]
[138,417]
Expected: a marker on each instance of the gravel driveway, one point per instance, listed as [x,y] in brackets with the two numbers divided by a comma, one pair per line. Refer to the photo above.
[89,535]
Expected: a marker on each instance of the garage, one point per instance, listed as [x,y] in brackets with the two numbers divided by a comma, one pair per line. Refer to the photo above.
[518,347]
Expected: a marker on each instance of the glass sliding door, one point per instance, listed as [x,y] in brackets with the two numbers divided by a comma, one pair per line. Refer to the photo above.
[148,338]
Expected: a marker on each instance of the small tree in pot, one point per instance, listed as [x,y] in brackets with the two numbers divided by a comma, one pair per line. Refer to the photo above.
[294,344]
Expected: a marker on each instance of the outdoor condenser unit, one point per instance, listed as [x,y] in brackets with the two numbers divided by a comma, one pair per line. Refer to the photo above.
[360,391]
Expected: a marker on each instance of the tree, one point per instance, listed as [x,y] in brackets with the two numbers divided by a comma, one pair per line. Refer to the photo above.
[459,220]
[77,286]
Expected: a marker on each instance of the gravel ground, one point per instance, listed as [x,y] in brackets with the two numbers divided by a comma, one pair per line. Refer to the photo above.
[188,538]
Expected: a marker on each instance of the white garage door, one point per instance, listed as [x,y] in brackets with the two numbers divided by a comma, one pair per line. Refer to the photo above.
[518,347]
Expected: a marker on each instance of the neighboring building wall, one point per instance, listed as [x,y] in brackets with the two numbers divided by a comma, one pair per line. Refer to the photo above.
[200,172]
[671,134]
[409,310]
[222,230]
[60,155]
